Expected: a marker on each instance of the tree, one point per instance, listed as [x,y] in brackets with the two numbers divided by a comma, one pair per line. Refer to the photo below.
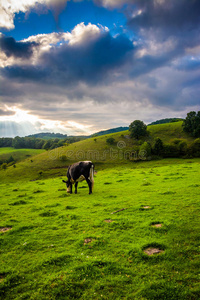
[145,151]
[158,147]
[192,123]
[47,145]
[137,129]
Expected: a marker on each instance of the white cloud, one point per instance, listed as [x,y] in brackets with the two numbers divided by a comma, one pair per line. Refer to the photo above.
[44,42]
[113,3]
[8,9]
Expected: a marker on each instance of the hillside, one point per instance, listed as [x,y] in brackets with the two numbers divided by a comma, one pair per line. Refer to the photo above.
[167,120]
[108,131]
[124,150]
[18,154]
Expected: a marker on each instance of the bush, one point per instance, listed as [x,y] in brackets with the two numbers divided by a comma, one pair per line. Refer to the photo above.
[110,141]
[63,158]
[4,166]
[181,146]
[194,148]
[10,160]
[145,151]
[158,147]
[170,150]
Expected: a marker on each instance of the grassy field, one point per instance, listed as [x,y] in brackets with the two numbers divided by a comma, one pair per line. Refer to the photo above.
[18,154]
[136,237]
[60,246]
[51,163]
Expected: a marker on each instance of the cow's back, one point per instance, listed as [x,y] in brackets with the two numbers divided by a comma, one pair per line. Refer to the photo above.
[80,168]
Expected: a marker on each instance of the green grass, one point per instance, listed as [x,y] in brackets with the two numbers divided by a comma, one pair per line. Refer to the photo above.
[61,247]
[18,154]
[50,163]
[169,131]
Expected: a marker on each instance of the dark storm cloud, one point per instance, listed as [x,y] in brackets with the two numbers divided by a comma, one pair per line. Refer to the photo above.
[188,64]
[17,49]
[70,63]
[167,18]
[25,73]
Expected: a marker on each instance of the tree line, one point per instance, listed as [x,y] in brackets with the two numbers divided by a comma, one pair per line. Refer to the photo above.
[36,143]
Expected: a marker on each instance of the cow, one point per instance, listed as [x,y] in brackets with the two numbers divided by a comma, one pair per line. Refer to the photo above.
[82,170]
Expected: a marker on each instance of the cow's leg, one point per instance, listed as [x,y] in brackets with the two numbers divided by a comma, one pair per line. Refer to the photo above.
[76,184]
[90,186]
[71,185]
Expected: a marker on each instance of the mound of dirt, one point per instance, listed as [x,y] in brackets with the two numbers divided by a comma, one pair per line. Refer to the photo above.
[152,251]
[108,221]
[158,225]
[5,229]
[87,241]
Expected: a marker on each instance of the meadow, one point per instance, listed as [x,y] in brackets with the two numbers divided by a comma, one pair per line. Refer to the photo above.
[18,154]
[102,246]
[136,237]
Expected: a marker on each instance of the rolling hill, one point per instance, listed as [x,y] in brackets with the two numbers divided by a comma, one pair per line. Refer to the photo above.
[124,150]
[136,237]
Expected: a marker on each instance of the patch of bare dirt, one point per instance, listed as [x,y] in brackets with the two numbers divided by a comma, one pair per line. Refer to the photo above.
[152,251]
[108,221]
[5,229]
[87,241]
[157,225]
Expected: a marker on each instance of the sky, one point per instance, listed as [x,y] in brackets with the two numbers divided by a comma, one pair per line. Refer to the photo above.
[81,66]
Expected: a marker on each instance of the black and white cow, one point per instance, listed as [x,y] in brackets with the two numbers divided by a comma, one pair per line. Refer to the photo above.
[82,170]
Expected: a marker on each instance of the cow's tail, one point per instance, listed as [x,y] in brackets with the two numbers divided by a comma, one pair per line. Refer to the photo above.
[92,175]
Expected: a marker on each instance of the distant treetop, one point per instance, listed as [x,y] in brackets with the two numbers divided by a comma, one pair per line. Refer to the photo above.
[48,135]
[191,124]
[168,120]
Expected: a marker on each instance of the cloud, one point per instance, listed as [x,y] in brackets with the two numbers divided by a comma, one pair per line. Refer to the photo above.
[17,49]
[6,113]
[8,9]
[89,77]
[166,18]
[112,3]
[88,54]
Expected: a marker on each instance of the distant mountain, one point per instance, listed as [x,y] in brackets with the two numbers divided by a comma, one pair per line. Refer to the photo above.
[48,135]
[113,130]
[163,121]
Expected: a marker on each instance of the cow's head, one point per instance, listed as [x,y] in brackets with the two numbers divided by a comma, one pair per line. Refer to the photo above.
[69,186]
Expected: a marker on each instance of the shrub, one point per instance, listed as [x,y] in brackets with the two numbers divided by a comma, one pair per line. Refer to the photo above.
[194,148]
[170,150]
[158,147]
[145,151]
[181,146]
[4,166]
[110,141]
[63,158]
